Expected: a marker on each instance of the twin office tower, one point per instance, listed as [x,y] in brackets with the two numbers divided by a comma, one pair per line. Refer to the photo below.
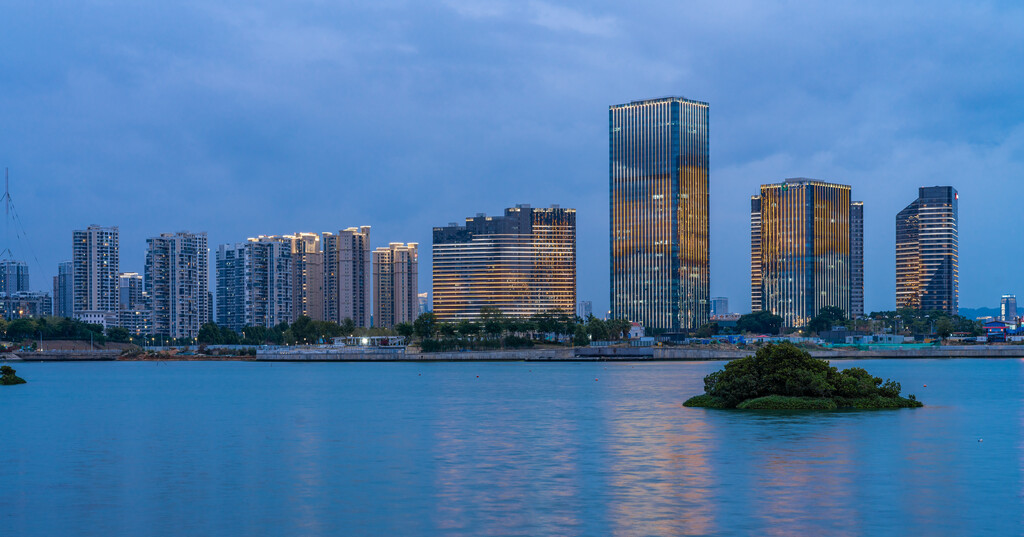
[807,236]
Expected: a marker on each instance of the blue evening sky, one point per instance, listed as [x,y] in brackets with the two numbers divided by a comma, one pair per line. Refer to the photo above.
[263,117]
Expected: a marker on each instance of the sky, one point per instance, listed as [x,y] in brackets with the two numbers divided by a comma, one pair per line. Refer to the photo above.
[267,117]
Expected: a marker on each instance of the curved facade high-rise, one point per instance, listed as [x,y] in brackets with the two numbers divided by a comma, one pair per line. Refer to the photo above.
[928,251]
[658,182]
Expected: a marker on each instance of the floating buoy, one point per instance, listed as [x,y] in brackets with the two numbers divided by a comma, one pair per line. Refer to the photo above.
[478,376]
[981,440]
[595,380]
[925,385]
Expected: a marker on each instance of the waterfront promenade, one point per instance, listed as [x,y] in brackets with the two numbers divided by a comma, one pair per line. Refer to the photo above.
[554,354]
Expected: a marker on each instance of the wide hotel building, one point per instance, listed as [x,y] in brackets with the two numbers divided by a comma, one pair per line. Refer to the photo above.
[805,237]
[522,264]
[658,168]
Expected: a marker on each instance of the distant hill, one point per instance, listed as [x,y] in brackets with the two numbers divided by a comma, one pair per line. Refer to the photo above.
[974,313]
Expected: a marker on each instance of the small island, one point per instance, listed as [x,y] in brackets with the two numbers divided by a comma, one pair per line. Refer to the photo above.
[784,377]
[8,378]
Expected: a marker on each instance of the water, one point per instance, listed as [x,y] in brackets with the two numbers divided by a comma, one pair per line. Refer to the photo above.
[212,448]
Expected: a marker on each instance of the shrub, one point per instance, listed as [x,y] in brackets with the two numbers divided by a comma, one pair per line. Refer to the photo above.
[779,402]
[704,401]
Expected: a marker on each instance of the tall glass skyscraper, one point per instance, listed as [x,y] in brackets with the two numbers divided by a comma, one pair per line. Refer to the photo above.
[804,240]
[927,251]
[658,168]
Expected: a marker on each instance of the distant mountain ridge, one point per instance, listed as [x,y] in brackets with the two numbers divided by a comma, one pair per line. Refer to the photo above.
[974,313]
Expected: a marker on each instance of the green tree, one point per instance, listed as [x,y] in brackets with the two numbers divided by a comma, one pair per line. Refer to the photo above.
[425,325]
[944,327]
[707,330]
[760,322]
[580,338]
[827,318]
[118,334]
[209,334]
[598,329]
[405,330]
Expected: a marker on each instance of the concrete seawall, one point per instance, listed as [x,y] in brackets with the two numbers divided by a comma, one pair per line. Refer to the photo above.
[64,356]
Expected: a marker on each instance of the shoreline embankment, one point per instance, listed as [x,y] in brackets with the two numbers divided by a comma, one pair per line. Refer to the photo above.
[578,354]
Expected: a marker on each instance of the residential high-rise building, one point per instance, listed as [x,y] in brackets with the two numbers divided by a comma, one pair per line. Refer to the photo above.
[719,305]
[756,290]
[927,251]
[25,305]
[660,250]
[856,259]
[395,276]
[254,283]
[134,307]
[64,290]
[307,275]
[522,264]
[584,309]
[177,281]
[347,275]
[1008,308]
[13,276]
[95,255]
[801,255]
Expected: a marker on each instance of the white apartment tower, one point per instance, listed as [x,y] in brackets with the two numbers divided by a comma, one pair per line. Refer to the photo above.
[177,282]
[96,271]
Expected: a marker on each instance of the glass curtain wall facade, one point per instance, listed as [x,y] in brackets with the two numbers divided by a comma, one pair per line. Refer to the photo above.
[658,168]
[756,291]
[522,264]
[1008,308]
[856,259]
[805,241]
[927,251]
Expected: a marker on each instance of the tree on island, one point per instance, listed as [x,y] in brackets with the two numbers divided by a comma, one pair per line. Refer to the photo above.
[784,377]
[8,378]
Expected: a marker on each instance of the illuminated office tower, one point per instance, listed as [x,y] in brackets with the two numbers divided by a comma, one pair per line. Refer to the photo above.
[804,245]
[63,290]
[756,291]
[660,268]
[307,275]
[95,256]
[13,276]
[395,293]
[254,283]
[177,280]
[927,252]
[521,264]
[856,259]
[1008,308]
[347,275]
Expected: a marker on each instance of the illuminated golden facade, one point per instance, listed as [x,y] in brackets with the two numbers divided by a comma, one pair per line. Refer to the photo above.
[927,251]
[660,263]
[801,251]
[522,263]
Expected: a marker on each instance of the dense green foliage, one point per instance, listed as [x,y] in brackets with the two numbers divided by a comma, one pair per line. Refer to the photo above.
[827,317]
[777,374]
[304,331]
[761,322]
[51,328]
[8,378]
[494,330]
[781,402]
[920,322]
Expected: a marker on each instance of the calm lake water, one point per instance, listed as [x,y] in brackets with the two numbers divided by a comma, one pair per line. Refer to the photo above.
[238,448]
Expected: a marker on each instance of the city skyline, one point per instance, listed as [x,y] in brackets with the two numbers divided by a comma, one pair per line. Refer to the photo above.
[190,137]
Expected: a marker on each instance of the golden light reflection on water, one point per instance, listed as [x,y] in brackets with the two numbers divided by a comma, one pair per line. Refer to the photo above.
[659,472]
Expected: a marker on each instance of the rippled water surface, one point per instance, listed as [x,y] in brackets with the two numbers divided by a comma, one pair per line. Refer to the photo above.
[242,448]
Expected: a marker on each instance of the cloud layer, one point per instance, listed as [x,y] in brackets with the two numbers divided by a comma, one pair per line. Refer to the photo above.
[272,117]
